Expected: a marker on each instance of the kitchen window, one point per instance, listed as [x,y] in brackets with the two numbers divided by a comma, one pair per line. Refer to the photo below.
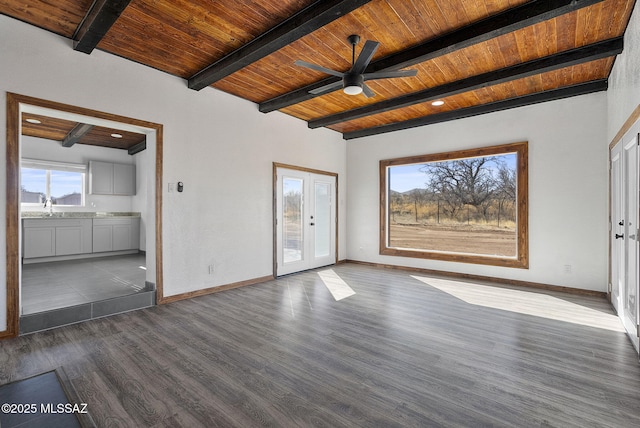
[60,183]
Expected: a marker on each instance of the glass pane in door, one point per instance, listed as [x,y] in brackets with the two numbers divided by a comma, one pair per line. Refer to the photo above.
[292,214]
[322,219]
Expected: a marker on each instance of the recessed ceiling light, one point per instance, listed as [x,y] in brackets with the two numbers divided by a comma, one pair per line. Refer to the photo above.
[116,135]
[437,103]
[36,121]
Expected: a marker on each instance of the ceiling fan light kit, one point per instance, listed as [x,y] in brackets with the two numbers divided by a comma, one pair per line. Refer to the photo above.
[353,80]
[352,90]
[352,84]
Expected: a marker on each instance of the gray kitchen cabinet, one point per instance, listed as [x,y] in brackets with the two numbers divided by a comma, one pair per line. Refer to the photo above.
[73,237]
[102,237]
[100,178]
[56,237]
[116,234]
[38,240]
[122,237]
[124,179]
[106,178]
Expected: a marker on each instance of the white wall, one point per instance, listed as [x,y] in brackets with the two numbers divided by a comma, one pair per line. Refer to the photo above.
[623,95]
[220,146]
[43,149]
[567,187]
[144,201]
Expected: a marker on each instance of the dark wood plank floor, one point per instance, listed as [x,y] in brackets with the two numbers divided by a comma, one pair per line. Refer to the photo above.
[405,350]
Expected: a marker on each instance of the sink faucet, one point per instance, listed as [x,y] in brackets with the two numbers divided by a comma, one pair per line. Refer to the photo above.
[49,202]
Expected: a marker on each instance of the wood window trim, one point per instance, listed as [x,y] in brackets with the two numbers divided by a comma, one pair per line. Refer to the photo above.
[522,231]
[13,196]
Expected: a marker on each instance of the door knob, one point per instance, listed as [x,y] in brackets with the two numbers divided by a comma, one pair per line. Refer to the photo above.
[312,224]
[621,223]
[619,236]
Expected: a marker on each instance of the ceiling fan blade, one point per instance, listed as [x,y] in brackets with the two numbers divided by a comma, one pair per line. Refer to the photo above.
[318,68]
[326,88]
[389,74]
[367,91]
[370,48]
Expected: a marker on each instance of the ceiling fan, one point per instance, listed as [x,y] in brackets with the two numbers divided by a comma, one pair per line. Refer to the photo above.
[353,80]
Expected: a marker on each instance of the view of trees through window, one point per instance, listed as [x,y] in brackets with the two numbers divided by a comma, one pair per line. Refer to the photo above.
[466,205]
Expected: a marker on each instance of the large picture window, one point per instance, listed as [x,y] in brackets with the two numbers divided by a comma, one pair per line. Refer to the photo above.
[59,183]
[468,206]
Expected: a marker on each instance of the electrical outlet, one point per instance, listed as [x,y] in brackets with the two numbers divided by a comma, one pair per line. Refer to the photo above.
[567,268]
[210,269]
[171,187]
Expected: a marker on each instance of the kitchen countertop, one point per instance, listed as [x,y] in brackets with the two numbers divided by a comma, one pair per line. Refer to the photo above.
[59,215]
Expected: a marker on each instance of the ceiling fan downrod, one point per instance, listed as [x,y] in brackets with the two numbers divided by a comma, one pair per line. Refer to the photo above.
[354,39]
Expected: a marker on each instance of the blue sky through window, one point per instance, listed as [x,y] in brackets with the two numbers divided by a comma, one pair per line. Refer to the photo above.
[34,180]
[65,183]
[403,178]
[61,183]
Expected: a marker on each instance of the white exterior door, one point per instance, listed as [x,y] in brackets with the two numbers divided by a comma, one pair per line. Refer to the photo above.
[305,220]
[625,219]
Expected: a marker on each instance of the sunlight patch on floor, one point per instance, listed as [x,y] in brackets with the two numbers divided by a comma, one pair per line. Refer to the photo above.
[525,302]
[338,288]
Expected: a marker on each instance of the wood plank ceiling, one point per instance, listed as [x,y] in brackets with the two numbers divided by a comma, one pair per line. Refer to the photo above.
[476,56]
[69,133]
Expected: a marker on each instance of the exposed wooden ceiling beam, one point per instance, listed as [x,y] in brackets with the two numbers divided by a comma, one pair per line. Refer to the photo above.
[315,16]
[138,147]
[557,61]
[78,131]
[494,26]
[102,15]
[540,97]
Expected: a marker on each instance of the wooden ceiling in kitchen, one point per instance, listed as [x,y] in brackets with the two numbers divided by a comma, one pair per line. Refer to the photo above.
[68,132]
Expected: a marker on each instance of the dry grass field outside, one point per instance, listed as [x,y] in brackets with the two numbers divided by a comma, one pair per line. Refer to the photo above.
[458,238]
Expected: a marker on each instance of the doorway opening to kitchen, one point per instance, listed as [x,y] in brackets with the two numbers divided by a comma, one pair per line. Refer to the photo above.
[85,215]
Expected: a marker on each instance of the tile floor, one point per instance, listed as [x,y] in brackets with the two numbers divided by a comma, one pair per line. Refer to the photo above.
[54,285]
[38,395]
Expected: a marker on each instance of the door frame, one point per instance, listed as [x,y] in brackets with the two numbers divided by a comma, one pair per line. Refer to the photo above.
[14,103]
[277,165]
[631,257]
[632,122]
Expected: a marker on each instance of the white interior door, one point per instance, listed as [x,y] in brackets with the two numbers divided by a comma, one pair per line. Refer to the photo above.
[625,219]
[305,220]
[617,228]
